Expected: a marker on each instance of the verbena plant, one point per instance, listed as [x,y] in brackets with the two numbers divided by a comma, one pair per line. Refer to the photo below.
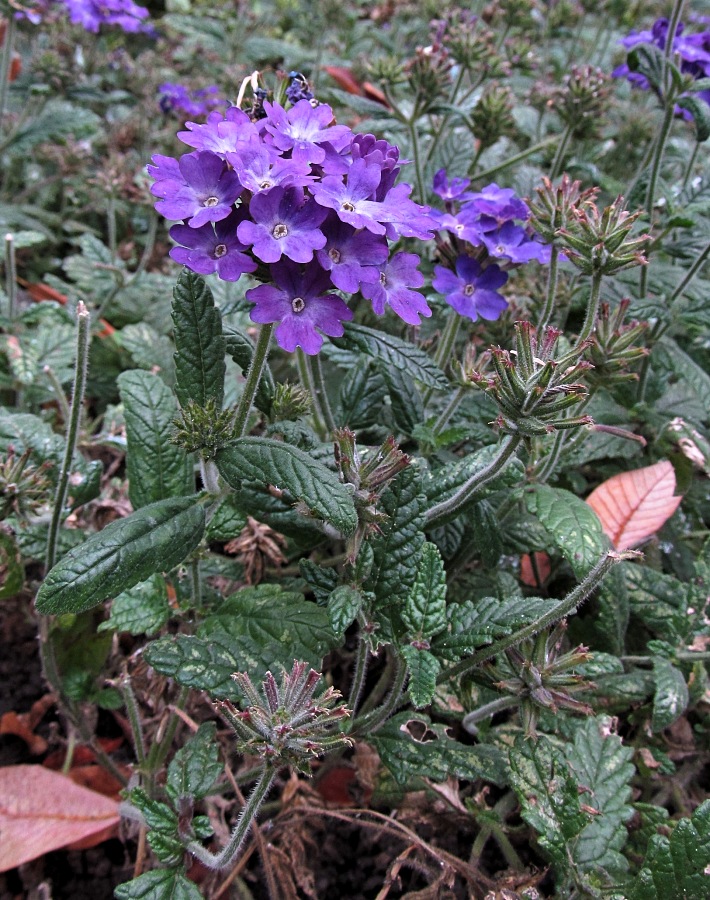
[356,448]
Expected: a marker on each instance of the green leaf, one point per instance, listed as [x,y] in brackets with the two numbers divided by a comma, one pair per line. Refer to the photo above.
[396,548]
[12,574]
[148,349]
[659,601]
[602,766]
[160,884]
[423,668]
[424,611]
[195,768]
[411,746]
[343,606]
[265,462]
[473,623]
[572,525]
[407,406]
[227,521]
[143,609]
[255,629]
[669,359]
[700,113]
[548,796]
[153,539]
[362,395]
[157,469]
[393,351]
[241,348]
[443,483]
[670,699]
[676,868]
[200,346]
[322,580]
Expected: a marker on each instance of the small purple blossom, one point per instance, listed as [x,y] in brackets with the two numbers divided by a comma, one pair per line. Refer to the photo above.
[351,201]
[285,224]
[472,291]
[191,102]
[260,168]
[351,256]
[455,189]
[394,286]
[205,192]
[298,300]
[511,242]
[303,128]
[209,249]
[92,14]
[220,134]
[500,204]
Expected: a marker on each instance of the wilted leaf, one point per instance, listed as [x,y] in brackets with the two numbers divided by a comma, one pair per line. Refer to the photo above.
[632,506]
[41,811]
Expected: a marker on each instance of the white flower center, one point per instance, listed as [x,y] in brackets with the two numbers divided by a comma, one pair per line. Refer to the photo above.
[347,206]
[334,254]
[211,201]
[298,304]
[468,289]
[280,231]
[220,250]
[383,279]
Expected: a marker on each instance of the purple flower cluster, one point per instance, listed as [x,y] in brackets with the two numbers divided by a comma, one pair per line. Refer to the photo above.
[91,14]
[694,51]
[303,204]
[179,98]
[486,240]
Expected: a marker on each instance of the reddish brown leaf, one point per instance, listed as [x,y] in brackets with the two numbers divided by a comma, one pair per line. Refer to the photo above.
[632,506]
[41,811]
[12,723]
[542,566]
[344,79]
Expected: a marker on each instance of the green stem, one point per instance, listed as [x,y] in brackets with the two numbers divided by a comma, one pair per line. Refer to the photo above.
[160,749]
[8,47]
[445,347]
[506,450]
[196,584]
[549,306]
[560,153]
[149,244]
[258,360]
[134,719]
[484,712]
[360,673]
[570,603]
[691,163]
[689,275]
[319,383]
[58,392]
[10,276]
[369,723]
[656,162]
[416,153]
[80,372]
[590,319]
[226,856]
[450,409]
[487,174]
[111,226]
[445,118]
[305,374]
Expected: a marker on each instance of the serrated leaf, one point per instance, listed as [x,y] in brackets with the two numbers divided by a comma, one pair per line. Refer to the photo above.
[153,539]
[148,349]
[633,505]
[157,469]
[443,483]
[411,746]
[473,623]
[658,600]
[407,405]
[265,462]
[195,768]
[255,629]
[362,395]
[322,580]
[143,609]
[700,113]
[240,347]
[396,548]
[160,884]
[343,606]
[602,765]
[424,611]
[571,524]
[423,667]
[669,359]
[227,522]
[393,351]
[670,699]
[548,796]
[676,868]
[200,346]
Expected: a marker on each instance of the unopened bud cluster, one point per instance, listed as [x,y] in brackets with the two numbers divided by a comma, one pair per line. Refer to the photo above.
[492,117]
[582,100]
[534,392]
[24,488]
[286,724]
[541,676]
[613,348]
[203,429]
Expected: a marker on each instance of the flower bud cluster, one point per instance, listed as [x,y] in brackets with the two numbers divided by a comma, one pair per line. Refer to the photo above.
[304,205]
[24,488]
[612,350]
[204,429]
[286,724]
[492,117]
[541,676]
[601,241]
[533,391]
[582,100]
[487,235]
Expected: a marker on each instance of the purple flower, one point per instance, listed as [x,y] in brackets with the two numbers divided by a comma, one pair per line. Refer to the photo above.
[465,225]
[165,169]
[211,249]
[91,14]
[393,289]
[381,154]
[284,225]
[498,203]
[192,103]
[205,192]
[451,190]
[351,201]
[512,242]
[299,302]
[220,133]
[303,128]
[259,168]
[351,256]
[471,291]
[404,218]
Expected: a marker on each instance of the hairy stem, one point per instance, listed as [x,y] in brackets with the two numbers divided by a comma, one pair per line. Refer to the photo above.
[360,673]
[134,719]
[484,712]
[369,723]
[6,64]
[258,361]
[560,153]
[546,313]
[590,319]
[10,276]
[305,373]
